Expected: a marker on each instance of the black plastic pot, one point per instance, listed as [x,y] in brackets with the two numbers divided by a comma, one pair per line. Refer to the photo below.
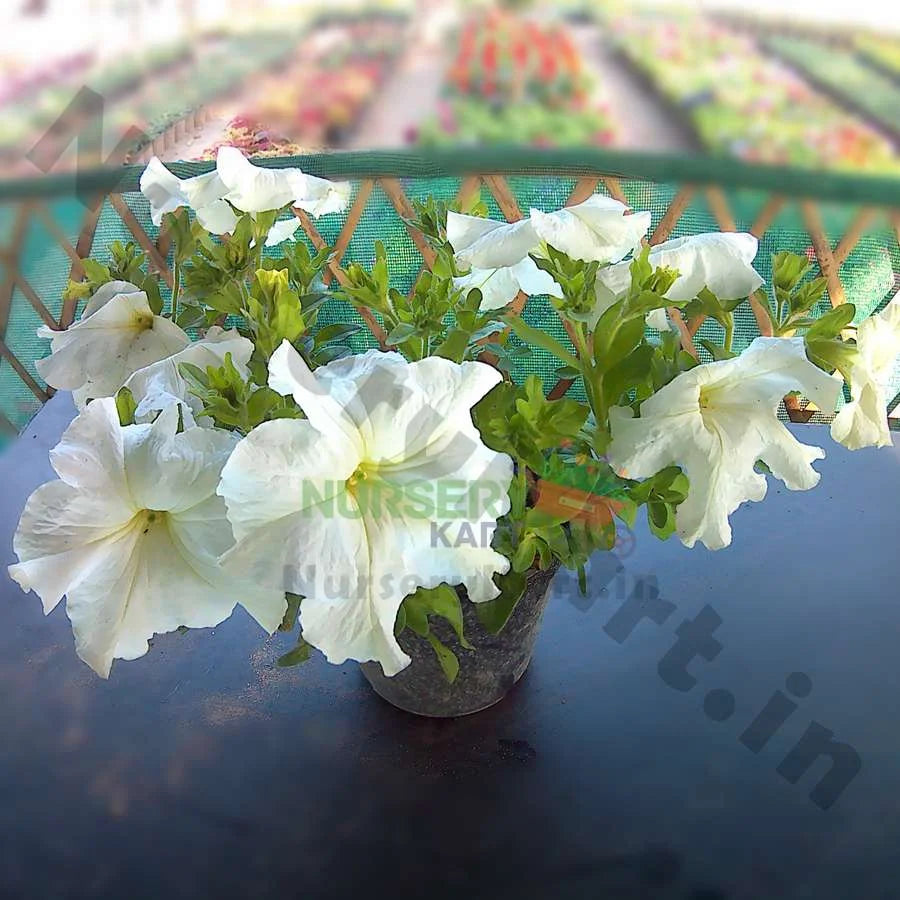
[486,674]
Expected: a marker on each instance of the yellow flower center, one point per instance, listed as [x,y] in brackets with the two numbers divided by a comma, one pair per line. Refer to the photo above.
[361,474]
[150,518]
[142,321]
[705,398]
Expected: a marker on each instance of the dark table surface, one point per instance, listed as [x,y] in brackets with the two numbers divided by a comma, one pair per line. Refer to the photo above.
[202,769]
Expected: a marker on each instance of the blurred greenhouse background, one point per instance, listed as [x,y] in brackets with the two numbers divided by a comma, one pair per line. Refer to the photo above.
[179,78]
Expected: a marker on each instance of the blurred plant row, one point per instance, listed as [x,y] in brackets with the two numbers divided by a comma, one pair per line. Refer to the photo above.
[335,76]
[516,81]
[151,91]
[742,102]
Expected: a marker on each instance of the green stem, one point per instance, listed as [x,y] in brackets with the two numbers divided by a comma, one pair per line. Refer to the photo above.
[592,389]
[176,286]
[729,332]
[518,512]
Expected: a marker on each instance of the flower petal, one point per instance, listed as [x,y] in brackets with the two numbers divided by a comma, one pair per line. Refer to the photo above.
[99,353]
[716,421]
[161,384]
[863,421]
[722,262]
[498,287]
[100,298]
[203,190]
[323,396]
[132,534]
[254,188]
[596,230]
[322,196]
[163,190]
[378,427]
[90,455]
[493,245]
[147,585]
[280,468]
[463,231]
[62,537]
[217,217]
[172,471]
[282,231]
[658,319]
[534,280]
[202,534]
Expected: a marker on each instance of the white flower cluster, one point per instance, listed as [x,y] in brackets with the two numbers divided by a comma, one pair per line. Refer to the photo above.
[171,521]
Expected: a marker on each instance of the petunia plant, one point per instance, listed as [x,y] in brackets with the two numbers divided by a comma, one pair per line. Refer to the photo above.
[230,448]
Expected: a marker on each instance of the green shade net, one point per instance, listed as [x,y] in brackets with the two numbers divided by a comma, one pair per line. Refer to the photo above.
[868,274]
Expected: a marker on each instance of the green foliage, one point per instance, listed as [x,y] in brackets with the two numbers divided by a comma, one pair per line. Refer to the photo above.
[297,656]
[127,263]
[305,269]
[233,403]
[520,421]
[291,612]
[824,346]
[441,601]
[794,296]
[215,274]
[430,218]
[436,320]
[662,495]
[369,289]
[576,278]
[125,406]
[273,311]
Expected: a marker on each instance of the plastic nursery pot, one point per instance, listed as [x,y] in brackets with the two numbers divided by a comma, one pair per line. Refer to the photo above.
[486,674]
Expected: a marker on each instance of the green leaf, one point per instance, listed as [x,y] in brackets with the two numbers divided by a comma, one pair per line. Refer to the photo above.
[150,287]
[290,615]
[189,316]
[444,602]
[494,614]
[125,406]
[400,333]
[95,271]
[300,654]
[833,322]
[661,518]
[339,331]
[627,373]
[445,656]
[541,339]
[454,346]
[261,403]
[400,621]
[788,269]
[717,352]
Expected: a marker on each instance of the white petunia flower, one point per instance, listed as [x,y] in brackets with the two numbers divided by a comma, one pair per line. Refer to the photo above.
[161,384]
[722,262]
[715,421]
[385,487]
[863,421]
[166,192]
[131,533]
[238,184]
[116,335]
[256,189]
[596,230]
[282,231]
[496,254]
